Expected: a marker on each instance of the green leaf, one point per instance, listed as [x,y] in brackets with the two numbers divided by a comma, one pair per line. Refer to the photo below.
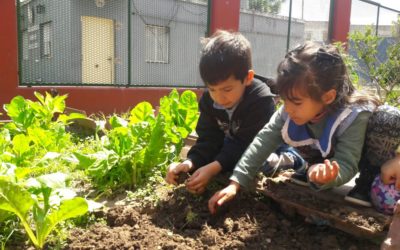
[53,180]
[116,121]
[85,161]
[142,112]
[66,118]
[4,215]
[20,112]
[20,144]
[17,200]
[68,209]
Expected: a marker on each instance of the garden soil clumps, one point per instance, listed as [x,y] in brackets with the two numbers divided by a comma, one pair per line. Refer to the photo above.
[181,221]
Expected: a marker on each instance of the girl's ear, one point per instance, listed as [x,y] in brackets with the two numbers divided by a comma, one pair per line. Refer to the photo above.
[329,96]
[249,78]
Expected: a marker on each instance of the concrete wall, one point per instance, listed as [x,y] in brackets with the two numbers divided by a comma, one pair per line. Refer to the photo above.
[268,37]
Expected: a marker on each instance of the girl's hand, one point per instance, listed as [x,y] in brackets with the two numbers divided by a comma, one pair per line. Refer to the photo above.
[223,196]
[323,173]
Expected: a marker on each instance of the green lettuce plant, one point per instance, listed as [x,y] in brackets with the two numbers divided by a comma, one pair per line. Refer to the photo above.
[40,204]
[146,141]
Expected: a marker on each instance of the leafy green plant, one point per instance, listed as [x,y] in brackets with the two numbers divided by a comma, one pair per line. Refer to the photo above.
[36,129]
[145,141]
[7,229]
[40,204]
[350,62]
[269,6]
[383,73]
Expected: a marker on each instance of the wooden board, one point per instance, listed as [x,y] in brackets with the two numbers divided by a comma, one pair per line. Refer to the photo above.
[326,207]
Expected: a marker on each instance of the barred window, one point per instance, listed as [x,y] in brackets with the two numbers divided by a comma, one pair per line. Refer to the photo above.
[157,43]
[25,48]
[46,34]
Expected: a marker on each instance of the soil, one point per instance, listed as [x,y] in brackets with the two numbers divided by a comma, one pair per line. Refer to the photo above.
[181,221]
[328,206]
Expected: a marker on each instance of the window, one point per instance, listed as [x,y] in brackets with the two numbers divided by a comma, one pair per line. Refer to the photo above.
[25,44]
[157,43]
[46,33]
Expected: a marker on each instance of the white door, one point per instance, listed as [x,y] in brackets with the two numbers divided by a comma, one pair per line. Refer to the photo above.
[97,50]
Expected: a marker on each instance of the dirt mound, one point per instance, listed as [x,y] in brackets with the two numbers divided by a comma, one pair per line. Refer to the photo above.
[182,221]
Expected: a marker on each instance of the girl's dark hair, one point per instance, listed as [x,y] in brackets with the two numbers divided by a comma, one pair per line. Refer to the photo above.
[317,69]
[224,54]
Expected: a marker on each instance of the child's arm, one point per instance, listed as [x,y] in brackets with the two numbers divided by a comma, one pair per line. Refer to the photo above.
[265,143]
[251,119]
[223,196]
[390,171]
[347,151]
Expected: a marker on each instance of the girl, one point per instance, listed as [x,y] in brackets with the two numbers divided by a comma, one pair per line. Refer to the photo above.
[323,118]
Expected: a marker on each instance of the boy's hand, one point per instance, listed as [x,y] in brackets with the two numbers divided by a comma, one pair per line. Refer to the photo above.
[323,173]
[390,172]
[223,196]
[198,181]
[175,168]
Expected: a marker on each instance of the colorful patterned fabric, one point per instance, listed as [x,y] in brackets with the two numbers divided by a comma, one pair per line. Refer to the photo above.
[381,141]
[384,197]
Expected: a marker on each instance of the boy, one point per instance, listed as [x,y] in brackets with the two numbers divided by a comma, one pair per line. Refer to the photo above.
[232,110]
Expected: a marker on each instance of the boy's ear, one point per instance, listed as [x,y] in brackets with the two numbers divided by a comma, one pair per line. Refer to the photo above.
[329,96]
[249,78]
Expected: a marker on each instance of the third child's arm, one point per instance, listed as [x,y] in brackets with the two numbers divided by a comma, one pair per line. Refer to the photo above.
[390,171]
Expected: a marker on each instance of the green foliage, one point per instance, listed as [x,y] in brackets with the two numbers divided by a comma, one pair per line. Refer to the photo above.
[145,141]
[36,129]
[384,74]
[46,199]
[7,229]
[35,144]
[268,6]
[350,63]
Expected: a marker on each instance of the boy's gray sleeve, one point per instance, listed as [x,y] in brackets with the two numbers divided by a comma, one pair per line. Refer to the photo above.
[265,143]
[348,151]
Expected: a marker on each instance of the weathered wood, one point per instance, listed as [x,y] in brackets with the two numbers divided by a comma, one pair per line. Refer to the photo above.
[326,208]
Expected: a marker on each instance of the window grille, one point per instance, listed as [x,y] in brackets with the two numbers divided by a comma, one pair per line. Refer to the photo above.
[157,42]
[45,39]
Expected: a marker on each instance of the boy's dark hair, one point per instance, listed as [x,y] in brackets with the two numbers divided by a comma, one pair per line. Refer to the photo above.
[317,69]
[224,54]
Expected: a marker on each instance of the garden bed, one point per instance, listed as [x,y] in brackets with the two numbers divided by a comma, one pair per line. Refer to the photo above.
[55,170]
[280,215]
[182,221]
[327,207]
